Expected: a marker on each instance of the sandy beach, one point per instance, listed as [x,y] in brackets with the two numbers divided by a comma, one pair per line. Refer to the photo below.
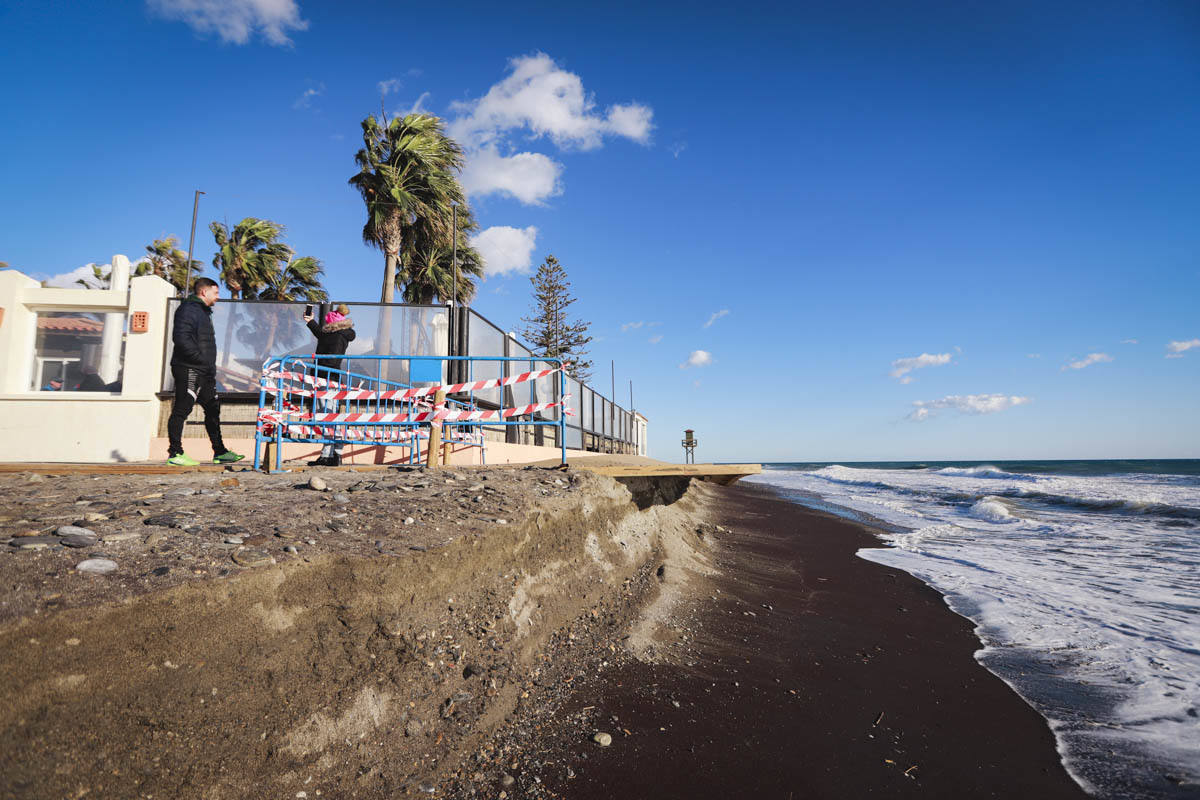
[275,638]
[802,671]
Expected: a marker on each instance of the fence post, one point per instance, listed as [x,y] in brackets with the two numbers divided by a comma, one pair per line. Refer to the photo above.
[434,457]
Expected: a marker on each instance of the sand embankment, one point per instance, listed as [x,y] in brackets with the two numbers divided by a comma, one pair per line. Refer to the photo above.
[400,625]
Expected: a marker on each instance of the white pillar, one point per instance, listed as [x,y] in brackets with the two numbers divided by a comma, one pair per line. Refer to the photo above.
[114,324]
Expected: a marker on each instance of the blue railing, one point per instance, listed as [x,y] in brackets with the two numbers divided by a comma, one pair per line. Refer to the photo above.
[302,401]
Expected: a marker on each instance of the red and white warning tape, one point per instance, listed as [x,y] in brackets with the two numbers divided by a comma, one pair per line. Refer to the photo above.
[395,394]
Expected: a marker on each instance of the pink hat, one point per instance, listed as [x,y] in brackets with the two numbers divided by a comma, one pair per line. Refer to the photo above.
[334,316]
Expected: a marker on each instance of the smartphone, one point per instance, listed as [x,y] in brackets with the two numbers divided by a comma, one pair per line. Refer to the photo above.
[308,311]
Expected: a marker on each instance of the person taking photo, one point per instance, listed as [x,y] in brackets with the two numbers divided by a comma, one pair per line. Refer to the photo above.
[332,340]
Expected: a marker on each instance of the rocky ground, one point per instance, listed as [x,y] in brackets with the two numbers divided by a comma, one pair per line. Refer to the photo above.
[151,532]
[336,634]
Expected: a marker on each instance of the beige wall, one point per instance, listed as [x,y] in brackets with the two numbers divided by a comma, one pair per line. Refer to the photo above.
[80,426]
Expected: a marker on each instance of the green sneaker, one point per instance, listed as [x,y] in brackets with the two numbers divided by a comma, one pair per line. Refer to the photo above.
[228,457]
[183,460]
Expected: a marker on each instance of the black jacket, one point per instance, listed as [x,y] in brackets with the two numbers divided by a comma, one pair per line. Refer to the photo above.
[193,335]
[332,339]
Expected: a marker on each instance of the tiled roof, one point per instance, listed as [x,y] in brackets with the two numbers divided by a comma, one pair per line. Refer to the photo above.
[76,324]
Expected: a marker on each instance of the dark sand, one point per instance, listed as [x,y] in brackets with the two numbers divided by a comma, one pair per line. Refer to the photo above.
[859,681]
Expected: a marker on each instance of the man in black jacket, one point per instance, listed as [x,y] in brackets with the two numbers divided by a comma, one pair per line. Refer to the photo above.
[332,339]
[194,367]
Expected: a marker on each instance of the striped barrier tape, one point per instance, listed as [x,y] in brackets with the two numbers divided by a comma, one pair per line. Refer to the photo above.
[396,394]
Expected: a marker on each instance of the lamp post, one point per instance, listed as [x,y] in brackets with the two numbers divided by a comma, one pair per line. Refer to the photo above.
[191,241]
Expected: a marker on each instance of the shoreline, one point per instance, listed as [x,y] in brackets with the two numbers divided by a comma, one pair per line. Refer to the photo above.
[802,670]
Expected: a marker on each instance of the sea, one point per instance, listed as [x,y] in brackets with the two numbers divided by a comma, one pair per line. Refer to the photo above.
[1083,581]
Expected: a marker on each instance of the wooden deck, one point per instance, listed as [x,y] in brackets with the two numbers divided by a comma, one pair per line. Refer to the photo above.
[724,474]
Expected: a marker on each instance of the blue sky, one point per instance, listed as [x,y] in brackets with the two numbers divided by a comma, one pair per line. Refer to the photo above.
[764,210]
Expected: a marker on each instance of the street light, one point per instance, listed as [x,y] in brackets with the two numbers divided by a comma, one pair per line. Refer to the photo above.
[191,241]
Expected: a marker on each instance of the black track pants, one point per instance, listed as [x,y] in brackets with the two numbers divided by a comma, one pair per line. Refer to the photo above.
[194,386]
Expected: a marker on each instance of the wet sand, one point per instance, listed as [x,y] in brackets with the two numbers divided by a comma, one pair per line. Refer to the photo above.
[804,671]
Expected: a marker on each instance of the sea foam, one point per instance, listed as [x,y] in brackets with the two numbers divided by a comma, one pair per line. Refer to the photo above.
[1083,590]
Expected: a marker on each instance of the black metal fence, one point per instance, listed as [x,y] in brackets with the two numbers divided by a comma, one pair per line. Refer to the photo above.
[250,331]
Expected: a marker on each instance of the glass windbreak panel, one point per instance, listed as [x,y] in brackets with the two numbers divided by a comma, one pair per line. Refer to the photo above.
[574,438]
[605,422]
[587,399]
[248,333]
[78,351]
[521,394]
[547,391]
[485,340]
[574,401]
[399,330]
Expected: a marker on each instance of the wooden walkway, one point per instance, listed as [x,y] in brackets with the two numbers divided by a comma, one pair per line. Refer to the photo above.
[724,474]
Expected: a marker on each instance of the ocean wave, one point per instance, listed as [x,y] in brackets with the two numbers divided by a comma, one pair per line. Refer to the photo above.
[983,471]
[992,509]
[1138,506]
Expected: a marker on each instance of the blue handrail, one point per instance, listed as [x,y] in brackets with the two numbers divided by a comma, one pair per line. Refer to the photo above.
[307,365]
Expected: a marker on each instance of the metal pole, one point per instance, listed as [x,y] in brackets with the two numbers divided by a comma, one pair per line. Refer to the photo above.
[191,241]
[454,257]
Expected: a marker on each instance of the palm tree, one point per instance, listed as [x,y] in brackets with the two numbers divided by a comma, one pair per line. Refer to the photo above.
[243,256]
[293,279]
[170,263]
[427,269]
[406,176]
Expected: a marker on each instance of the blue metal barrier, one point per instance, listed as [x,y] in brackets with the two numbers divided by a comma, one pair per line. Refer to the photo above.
[302,401]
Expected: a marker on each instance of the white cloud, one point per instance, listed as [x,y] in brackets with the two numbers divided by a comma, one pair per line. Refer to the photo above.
[966,404]
[528,177]
[1177,349]
[1129,341]
[505,249]
[1087,361]
[390,86]
[305,100]
[545,101]
[236,21]
[902,366]
[1033,355]
[655,339]
[698,358]
[724,312]
[67,280]
[677,148]
[631,326]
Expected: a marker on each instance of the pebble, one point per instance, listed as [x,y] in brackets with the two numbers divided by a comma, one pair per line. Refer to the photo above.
[291,548]
[603,739]
[124,536]
[34,542]
[409,520]
[79,541]
[97,566]
[252,558]
[155,539]
[164,520]
[412,727]
[501,522]
[183,491]
[230,483]
[317,484]
[74,530]
[507,780]
[35,477]
[341,498]
[95,516]
[234,540]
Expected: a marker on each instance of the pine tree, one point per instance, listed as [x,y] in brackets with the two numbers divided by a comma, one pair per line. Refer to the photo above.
[549,331]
